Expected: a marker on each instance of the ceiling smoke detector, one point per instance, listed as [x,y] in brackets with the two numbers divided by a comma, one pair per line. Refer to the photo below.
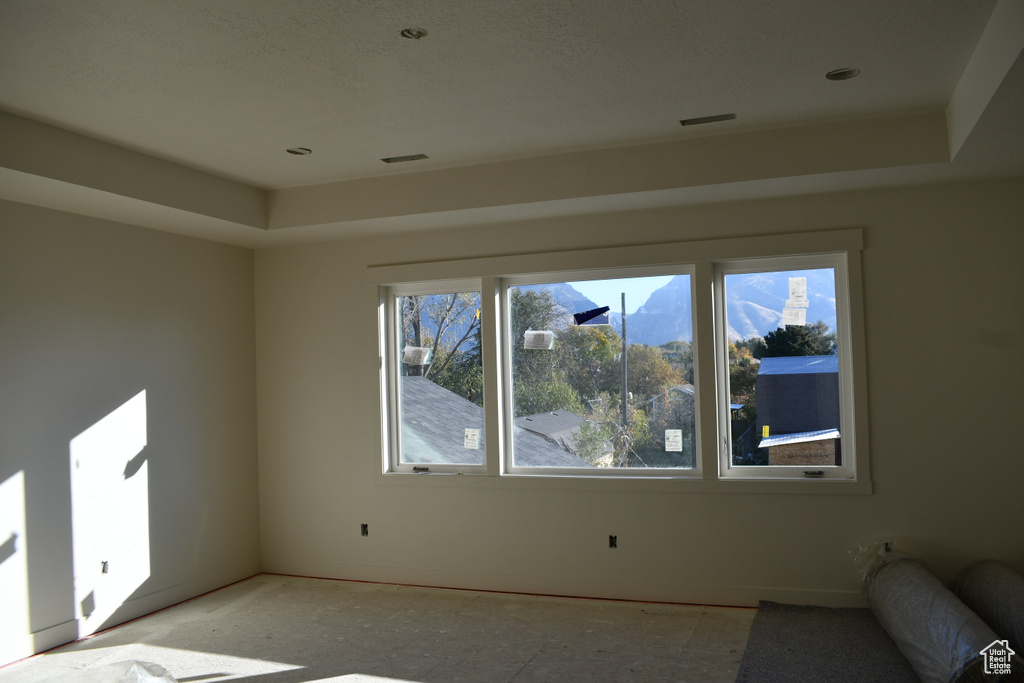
[299,151]
[413,33]
[842,74]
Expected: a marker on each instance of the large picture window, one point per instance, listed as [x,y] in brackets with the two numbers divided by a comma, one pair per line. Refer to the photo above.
[716,368]
[601,374]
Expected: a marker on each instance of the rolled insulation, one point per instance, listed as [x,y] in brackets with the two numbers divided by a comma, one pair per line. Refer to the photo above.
[939,635]
[996,594]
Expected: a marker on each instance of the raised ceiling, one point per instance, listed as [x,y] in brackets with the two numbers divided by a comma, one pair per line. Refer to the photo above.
[525,109]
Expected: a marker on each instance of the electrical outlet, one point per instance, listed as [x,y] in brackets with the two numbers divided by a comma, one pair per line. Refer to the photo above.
[364,529]
[613,541]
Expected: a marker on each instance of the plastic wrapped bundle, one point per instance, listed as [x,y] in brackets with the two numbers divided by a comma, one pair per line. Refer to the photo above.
[939,635]
[996,594]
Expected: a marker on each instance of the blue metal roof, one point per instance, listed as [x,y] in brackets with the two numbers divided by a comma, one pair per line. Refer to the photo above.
[798,365]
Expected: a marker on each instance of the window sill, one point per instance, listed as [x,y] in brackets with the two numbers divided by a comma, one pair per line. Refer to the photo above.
[693,485]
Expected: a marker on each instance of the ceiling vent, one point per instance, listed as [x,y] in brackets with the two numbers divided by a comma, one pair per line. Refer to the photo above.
[707,119]
[842,74]
[408,157]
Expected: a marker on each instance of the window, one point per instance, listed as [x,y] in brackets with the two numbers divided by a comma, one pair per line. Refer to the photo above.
[438,381]
[597,371]
[601,374]
[782,339]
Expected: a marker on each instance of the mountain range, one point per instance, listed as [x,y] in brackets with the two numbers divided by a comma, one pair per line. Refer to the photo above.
[754,304]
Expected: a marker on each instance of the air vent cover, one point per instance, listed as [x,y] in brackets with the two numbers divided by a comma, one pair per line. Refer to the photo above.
[408,157]
[708,119]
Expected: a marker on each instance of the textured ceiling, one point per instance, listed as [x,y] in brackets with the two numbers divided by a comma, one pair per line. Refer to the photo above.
[177,114]
[227,86]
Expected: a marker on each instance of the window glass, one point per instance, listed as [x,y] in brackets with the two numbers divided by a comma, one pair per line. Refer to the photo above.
[571,347]
[783,368]
[440,379]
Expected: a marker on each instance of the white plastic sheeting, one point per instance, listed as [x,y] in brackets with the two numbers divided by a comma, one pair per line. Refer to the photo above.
[996,594]
[121,672]
[940,636]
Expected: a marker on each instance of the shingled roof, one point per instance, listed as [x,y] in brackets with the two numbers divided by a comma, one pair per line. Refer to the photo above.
[434,427]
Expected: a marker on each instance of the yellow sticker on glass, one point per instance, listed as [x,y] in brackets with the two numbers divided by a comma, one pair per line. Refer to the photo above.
[764,432]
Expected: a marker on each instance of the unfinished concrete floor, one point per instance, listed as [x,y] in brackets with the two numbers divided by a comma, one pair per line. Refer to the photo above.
[277,629]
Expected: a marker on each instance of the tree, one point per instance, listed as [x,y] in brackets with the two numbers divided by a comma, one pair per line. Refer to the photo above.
[755,346]
[448,325]
[680,354]
[743,367]
[800,340]
[584,354]
[539,383]
[648,373]
[547,396]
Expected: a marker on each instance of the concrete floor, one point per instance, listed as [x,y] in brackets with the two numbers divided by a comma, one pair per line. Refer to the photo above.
[276,629]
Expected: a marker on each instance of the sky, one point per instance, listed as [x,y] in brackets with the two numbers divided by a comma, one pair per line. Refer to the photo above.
[609,292]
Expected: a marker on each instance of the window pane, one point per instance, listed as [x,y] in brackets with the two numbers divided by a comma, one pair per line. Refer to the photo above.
[570,408]
[440,382]
[783,368]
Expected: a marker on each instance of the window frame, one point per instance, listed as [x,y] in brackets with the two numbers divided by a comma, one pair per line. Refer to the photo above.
[837,261]
[704,256]
[508,404]
[392,363]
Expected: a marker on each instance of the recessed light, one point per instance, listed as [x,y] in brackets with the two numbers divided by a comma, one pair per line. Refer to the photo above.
[707,119]
[409,157]
[300,151]
[842,74]
[413,33]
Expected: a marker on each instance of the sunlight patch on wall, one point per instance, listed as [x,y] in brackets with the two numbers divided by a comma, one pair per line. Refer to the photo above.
[15,640]
[109,513]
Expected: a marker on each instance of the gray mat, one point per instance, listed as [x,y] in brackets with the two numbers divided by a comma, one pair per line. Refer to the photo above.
[803,643]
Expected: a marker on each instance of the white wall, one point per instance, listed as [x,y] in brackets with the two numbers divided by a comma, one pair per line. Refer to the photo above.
[93,313]
[942,284]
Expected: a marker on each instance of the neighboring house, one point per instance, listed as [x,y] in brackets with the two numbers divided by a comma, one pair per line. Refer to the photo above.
[561,428]
[434,423]
[798,401]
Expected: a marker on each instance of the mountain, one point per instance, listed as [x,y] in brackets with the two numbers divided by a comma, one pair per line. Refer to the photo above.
[664,317]
[754,301]
[566,296]
[754,304]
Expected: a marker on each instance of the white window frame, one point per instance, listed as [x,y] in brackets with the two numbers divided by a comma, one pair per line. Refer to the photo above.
[705,260]
[508,467]
[392,363]
[848,433]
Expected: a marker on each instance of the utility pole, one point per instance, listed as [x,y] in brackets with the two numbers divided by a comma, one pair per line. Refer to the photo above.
[625,393]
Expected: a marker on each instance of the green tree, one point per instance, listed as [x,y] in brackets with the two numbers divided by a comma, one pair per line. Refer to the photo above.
[583,354]
[743,367]
[800,340]
[680,354]
[538,379]
[547,396]
[648,372]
